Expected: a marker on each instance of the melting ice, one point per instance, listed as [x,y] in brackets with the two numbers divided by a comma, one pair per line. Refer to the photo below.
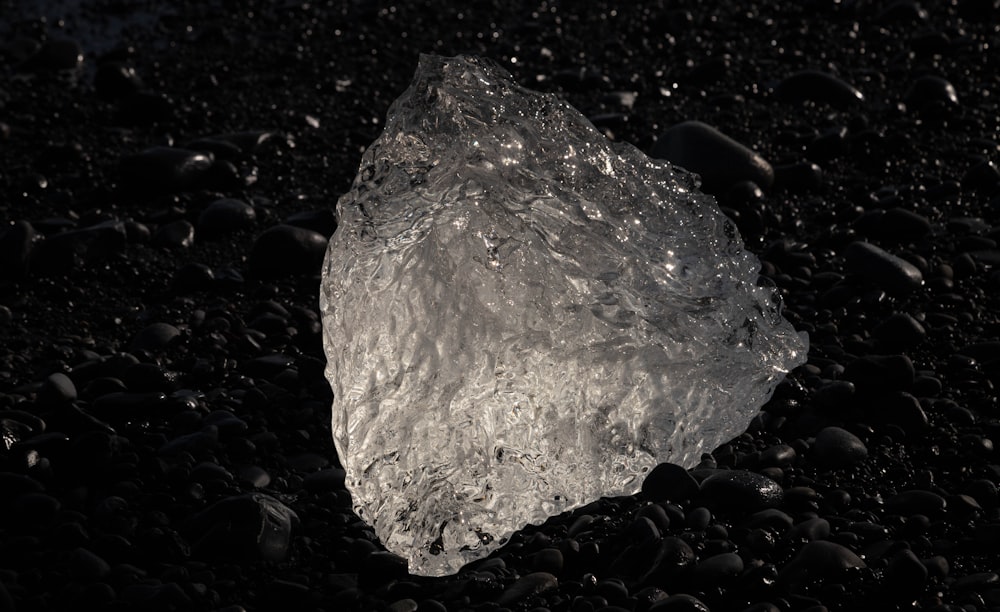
[521,316]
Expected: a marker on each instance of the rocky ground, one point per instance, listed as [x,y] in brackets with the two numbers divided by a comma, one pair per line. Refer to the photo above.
[167,184]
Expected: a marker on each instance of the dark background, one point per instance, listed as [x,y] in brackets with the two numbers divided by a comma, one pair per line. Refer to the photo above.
[161,391]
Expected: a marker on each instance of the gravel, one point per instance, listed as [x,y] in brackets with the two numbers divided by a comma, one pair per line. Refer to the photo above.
[164,420]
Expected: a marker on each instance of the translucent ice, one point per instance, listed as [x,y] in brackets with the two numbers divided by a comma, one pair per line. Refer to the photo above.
[521,316]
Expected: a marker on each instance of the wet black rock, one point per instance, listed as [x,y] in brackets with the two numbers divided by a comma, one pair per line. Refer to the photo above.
[883,269]
[748,491]
[79,248]
[669,481]
[285,249]
[154,337]
[927,91]
[16,242]
[245,528]
[165,169]
[531,584]
[820,560]
[817,86]
[838,448]
[174,235]
[718,159]
[225,216]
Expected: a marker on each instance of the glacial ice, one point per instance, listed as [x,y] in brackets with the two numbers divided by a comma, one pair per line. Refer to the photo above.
[521,316]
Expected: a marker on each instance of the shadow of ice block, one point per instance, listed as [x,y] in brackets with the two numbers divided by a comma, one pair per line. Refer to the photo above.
[521,316]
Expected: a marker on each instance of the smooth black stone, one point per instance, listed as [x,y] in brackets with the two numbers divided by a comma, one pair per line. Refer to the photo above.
[57,389]
[916,501]
[165,169]
[526,586]
[838,448]
[779,455]
[321,221]
[982,176]
[798,177]
[194,276]
[668,481]
[681,602]
[902,11]
[895,225]
[899,332]
[285,249]
[903,410]
[154,337]
[927,90]
[894,274]
[817,528]
[819,87]
[770,518]
[16,242]
[718,159]
[738,489]
[657,515]
[835,394]
[717,569]
[174,235]
[86,566]
[245,528]
[819,559]
[224,216]
[79,248]
[881,373]
[217,147]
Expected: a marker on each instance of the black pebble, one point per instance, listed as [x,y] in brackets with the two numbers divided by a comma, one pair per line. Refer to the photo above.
[820,87]
[819,559]
[894,274]
[681,602]
[154,337]
[285,249]
[798,177]
[838,448]
[525,586]
[174,235]
[245,527]
[894,225]
[669,481]
[916,501]
[16,242]
[165,169]
[225,216]
[899,332]
[928,90]
[739,489]
[84,247]
[720,160]
[321,221]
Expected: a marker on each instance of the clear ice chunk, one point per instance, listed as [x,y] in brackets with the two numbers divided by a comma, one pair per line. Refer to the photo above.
[521,316]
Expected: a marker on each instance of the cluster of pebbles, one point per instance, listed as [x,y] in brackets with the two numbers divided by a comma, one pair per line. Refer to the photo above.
[165,200]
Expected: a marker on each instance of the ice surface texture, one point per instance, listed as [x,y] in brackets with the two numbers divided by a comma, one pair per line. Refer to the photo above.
[521,316]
